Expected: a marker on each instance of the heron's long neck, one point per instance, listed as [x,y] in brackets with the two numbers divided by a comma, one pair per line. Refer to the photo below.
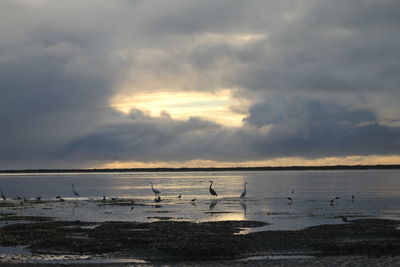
[244,186]
[152,186]
[211,183]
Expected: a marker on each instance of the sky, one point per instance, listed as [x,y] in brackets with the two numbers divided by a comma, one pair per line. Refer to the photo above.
[184,83]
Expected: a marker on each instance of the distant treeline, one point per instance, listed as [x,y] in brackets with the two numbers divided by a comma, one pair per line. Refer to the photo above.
[283,168]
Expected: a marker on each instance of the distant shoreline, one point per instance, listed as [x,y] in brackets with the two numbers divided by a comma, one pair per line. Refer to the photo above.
[211,169]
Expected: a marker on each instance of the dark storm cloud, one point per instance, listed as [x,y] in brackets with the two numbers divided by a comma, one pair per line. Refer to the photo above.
[297,127]
[322,78]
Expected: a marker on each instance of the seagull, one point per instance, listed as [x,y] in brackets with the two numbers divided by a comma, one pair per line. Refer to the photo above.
[155,191]
[212,191]
[244,191]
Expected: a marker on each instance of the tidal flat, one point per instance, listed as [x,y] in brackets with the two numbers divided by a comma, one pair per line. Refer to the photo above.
[48,241]
[287,219]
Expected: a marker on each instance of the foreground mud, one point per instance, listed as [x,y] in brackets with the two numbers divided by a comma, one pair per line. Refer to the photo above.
[185,241]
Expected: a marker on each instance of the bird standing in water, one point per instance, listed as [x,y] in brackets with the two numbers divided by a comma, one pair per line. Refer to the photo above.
[2,194]
[73,191]
[212,191]
[155,191]
[244,191]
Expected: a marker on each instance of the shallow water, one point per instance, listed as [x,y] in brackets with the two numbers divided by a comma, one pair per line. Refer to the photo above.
[376,194]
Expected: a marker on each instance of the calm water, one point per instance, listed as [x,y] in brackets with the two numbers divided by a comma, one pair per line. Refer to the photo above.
[376,194]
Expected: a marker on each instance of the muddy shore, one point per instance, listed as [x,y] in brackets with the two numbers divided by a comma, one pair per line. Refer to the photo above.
[195,244]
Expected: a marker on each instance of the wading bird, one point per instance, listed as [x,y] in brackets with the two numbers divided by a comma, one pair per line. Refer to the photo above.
[244,191]
[2,194]
[73,191]
[180,195]
[157,199]
[290,199]
[212,191]
[333,200]
[155,191]
[194,199]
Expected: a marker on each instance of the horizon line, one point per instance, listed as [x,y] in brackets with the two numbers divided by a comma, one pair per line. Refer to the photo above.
[183,169]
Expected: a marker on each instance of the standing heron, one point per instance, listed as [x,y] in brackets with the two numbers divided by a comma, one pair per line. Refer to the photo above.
[155,191]
[73,191]
[244,191]
[212,191]
[2,194]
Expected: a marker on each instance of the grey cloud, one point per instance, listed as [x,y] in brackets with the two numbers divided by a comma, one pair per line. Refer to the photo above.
[298,127]
[323,82]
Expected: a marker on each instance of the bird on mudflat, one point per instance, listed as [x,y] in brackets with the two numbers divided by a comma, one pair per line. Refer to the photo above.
[180,196]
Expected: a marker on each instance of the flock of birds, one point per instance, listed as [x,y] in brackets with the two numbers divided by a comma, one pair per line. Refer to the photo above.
[213,193]
[157,194]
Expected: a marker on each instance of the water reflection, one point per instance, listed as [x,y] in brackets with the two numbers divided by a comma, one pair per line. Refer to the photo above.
[377,192]
[244,207]
[213,204]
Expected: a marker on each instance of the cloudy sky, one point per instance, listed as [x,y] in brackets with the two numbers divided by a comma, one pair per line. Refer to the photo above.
[145,83]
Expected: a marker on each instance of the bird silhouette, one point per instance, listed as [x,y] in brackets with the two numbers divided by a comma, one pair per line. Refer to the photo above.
[332,201]
[2,194]
[212,191]
[155,191]
[180,196]
[243,195]
[76,194]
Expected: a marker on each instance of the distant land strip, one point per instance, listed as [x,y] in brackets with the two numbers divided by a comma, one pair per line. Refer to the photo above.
[216,169]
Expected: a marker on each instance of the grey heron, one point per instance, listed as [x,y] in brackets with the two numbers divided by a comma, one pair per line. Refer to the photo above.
[76,194]
[244,191]
[155,191]
[212,191]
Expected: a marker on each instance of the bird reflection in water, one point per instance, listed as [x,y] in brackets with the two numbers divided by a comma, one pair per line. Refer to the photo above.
[244,207]
[213,204]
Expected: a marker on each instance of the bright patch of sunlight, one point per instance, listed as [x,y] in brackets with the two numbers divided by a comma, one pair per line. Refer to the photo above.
[216,107]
